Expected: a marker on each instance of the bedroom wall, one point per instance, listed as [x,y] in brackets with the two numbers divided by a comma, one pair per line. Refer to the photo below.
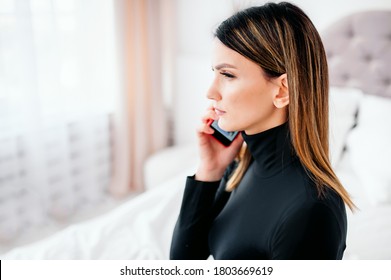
[194,22]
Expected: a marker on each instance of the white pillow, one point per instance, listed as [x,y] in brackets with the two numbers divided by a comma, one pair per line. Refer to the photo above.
[169,162]
[343,105]
[369,148]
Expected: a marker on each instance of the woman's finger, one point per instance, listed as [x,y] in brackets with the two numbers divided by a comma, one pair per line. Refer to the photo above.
[205,128]
[209,115]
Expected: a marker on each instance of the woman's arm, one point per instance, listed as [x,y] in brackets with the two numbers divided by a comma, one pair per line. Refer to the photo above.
[190,238]
[202,202]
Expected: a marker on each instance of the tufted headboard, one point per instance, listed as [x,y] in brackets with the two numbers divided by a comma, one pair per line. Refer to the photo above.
[358,49]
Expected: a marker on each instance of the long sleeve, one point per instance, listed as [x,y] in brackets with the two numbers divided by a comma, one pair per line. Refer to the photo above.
[190,238]
[201,203]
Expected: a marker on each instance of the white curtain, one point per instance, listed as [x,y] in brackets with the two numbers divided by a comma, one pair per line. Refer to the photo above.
[141,31]
[81,105]
[59,97]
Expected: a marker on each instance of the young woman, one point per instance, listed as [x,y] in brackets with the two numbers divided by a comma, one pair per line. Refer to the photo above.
[271,194]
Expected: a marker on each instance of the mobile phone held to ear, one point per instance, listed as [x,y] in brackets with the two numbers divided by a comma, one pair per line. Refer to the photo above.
[225,137]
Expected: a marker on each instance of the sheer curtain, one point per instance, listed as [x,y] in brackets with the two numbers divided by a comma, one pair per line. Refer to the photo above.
[140,35]
[59,95]
[81,106]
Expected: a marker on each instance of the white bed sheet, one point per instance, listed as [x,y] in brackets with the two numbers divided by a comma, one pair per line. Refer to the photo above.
[369,227]
[138,229]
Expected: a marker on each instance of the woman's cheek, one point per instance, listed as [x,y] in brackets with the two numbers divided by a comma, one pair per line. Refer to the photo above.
[235,93]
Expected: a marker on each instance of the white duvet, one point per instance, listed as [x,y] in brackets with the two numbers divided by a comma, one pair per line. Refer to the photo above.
[138,229]
[369,228]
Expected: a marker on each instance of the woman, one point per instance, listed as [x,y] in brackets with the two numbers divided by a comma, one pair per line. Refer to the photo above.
[275,195]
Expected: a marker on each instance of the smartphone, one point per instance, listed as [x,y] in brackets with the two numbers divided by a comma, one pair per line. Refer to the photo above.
[225,137]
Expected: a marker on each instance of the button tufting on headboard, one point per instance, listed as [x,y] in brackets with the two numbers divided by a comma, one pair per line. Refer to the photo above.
[350,33]
[358,49]
[368,58]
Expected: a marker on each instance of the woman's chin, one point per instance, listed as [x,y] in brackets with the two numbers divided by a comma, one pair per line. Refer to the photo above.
[225,126]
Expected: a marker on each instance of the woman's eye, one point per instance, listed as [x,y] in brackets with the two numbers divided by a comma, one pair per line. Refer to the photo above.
[228,75]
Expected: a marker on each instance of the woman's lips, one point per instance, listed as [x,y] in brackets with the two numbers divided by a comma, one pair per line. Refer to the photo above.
[219,112]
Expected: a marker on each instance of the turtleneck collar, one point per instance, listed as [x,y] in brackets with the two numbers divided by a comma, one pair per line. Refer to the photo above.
[271,149]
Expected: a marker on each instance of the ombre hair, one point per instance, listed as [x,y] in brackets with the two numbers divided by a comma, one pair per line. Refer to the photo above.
[280,38]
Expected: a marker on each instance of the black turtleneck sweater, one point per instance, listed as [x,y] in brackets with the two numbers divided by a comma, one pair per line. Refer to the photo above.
[274,213]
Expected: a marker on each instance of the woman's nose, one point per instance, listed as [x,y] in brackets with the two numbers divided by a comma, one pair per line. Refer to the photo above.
[213,92]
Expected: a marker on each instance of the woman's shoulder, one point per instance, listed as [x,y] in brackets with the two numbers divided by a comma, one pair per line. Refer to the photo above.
[308,192]
[313,207]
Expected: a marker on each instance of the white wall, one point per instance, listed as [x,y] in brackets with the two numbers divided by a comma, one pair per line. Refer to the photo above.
[323,12]
[195,22]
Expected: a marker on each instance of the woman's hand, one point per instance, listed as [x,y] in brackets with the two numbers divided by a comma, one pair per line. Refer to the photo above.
[214,156]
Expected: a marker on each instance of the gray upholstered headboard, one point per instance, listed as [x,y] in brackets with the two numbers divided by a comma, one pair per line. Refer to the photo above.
[358,49]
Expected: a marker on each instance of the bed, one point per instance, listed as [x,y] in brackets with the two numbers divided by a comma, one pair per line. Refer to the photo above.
[359,53]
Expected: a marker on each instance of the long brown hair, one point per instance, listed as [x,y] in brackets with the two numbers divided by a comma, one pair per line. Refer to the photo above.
[281,38]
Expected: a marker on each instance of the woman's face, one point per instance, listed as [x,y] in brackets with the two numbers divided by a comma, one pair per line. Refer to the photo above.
[242,95]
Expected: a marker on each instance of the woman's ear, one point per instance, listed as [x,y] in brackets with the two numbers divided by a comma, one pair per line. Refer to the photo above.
[281,99]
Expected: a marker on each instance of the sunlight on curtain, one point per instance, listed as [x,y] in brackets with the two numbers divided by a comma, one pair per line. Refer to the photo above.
[141,32]
[58,94]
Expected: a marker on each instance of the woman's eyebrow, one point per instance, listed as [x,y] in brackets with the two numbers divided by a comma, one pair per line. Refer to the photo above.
[223,65]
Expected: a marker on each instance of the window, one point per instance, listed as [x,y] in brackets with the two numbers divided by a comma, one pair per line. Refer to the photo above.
[58,91]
